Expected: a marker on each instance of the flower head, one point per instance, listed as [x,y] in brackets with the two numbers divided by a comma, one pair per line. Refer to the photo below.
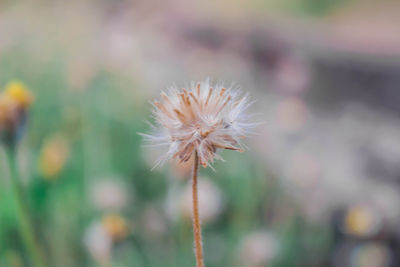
[19,93]
[200,119]
[14,103]
[116,226]
[53,156]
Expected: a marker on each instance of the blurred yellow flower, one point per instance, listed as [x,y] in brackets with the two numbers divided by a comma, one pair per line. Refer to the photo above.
[14,102]
[361,221]
[18,92]
[53,156]
[115,226]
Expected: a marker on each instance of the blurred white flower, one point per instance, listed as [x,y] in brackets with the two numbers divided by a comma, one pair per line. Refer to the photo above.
[362,220]
[258,249]
[304,169]
[292,74]
[211,202]
[110,194]
[371,255]
[386,199]
[98,242]
[153,223]
[292,115]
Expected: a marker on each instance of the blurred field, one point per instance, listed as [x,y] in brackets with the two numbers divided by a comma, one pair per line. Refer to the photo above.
[319,185]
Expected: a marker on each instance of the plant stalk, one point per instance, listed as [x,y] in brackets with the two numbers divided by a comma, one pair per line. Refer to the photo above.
[25,223]
[198,244]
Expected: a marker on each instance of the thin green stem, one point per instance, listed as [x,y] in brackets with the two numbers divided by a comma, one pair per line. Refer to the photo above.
[25,222]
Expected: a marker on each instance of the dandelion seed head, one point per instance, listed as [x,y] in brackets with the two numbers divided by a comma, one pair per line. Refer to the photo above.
[204,117]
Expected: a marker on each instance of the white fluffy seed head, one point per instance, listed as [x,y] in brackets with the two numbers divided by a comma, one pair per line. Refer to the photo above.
[201,118]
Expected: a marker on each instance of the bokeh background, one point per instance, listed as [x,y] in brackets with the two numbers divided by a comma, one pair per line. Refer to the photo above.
[319,185]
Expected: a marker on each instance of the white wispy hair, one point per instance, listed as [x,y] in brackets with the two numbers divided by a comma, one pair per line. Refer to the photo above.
[200,119]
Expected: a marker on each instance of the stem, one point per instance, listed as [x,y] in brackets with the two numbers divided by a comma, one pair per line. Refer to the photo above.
[25,223]
[198,245]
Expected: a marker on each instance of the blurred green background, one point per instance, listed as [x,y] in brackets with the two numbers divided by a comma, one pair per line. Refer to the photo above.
[319,185]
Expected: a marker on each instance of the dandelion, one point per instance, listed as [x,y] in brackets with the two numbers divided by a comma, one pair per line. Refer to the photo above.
[14,104]
[202,119]
[196,122]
